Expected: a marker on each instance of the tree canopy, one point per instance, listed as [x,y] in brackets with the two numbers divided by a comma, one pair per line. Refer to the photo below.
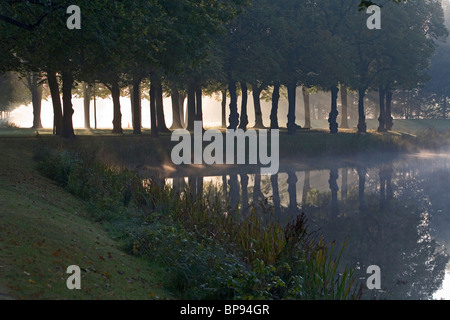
[192,46]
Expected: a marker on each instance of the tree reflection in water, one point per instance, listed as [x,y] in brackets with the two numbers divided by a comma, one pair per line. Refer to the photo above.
[383,211]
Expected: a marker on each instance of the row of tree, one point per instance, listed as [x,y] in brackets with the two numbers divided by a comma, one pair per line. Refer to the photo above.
[186,48]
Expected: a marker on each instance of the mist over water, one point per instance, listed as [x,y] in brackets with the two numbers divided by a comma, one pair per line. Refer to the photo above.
[394,213]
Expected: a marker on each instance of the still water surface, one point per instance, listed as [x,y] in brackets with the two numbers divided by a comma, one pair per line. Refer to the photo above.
[395,213]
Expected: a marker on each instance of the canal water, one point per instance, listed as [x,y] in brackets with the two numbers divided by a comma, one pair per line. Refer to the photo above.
[391,212]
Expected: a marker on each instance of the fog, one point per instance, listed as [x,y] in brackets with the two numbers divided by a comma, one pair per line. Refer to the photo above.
[319,103]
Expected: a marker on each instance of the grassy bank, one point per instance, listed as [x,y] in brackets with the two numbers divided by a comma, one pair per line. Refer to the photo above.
[210,250]
[136,151]
[135,240]
[409,135]
[45,229]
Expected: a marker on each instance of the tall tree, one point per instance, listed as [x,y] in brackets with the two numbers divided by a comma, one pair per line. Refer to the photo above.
[34,84]
[224,107]
[87,94]
[244,117]
[306,104]
[274,109]
[344,103]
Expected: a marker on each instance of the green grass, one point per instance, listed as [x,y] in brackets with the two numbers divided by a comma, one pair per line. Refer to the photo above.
[45,229]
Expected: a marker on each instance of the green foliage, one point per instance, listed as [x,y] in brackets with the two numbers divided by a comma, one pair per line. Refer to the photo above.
[105,188]
[210,253]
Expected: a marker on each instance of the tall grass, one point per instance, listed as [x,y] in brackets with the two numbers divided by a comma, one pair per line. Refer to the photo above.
[211,251]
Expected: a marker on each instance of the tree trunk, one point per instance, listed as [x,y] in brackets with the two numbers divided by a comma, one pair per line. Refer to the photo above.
[56,101]
[306,187]
[224,107]
[382,117]
[87,105]
[292,191]
[198,104]
[257,104]
[244,193]
[291,126]
[137,120]
[244,116]
[36,98]
[95,109]
[68,131]
[175,97]
[344,101]
[181,99]
[233,119]
[153,113]
[332,117]
[389,123]
[192,186]
[224,186]
[190,107]
[130,88]
[117,120]
[307,107]
[257,193]
[274,111]
[276,194]
[334,175]
[162,127]
[352,111]
[362,126]
[234,193]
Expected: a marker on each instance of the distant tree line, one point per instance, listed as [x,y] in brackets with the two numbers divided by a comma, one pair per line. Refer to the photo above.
[188,48]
